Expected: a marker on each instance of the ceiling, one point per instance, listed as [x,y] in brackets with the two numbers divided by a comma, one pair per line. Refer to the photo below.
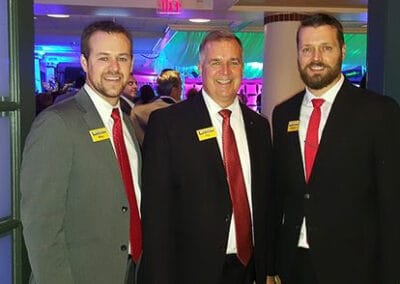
[153,32]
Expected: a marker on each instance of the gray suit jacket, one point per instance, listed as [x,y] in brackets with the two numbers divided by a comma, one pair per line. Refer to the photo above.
[73,207]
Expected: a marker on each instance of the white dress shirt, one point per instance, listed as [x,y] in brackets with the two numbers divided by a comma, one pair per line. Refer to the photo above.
[305,113]
[237,124]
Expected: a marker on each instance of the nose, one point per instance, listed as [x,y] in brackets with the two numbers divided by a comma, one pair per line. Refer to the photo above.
[317,54]
[224,68]
[114,65]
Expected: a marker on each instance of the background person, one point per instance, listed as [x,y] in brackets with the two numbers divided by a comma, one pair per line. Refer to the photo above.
[169,86]
[129,95]
[169,89]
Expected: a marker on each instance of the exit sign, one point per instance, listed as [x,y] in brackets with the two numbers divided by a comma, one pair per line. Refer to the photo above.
[168,6]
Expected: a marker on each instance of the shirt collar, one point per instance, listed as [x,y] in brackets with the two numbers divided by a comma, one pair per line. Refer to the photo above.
[214,108]
[168,97]
[329,96]
[103,107]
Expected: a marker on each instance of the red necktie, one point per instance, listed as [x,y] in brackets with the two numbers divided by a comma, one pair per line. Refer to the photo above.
[122,155]
[237,190]
[312,142]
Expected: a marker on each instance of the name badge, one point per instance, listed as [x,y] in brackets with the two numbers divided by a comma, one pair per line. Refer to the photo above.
[99,134]
[206,133]
[293,126]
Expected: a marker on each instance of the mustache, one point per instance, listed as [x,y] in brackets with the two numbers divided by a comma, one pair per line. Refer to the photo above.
[317,64]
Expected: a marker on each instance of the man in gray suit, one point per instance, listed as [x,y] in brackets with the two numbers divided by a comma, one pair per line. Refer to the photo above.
[77,220]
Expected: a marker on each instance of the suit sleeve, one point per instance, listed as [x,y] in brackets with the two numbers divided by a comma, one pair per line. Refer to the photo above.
[45,169]
[387,153]
[158,259]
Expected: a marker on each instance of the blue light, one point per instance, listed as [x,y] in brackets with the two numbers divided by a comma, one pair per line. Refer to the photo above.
[112,12]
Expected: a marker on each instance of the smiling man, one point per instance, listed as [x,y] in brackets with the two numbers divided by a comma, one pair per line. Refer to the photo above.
[80,173]
[208,211]
[336,150]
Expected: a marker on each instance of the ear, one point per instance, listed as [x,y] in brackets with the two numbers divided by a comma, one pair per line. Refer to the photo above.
[199,67]
[84,63]
[344,51]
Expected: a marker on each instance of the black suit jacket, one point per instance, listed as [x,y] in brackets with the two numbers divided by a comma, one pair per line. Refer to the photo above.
[351,201]
[186,208]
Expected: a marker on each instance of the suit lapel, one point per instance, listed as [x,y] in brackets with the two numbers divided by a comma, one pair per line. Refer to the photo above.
[93,121]
[339,117]
[252,135]
[294,140]
[209,147]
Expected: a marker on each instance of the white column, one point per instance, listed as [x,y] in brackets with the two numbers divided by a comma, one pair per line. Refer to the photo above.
[281,78]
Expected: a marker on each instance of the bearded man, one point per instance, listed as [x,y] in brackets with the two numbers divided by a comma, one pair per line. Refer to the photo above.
[336,156]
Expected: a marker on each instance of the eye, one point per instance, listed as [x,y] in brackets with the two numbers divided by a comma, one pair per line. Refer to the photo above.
[123,59]
[215,63]
[307,50]
[235,62]
[105,59]
[326,48]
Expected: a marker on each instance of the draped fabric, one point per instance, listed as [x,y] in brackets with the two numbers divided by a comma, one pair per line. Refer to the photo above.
[182,50]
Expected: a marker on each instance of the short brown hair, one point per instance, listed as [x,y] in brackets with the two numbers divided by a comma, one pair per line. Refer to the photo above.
[321,19]
[103,26]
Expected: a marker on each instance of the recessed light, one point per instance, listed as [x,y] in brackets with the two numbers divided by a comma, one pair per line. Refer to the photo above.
[198,20]
[58,15]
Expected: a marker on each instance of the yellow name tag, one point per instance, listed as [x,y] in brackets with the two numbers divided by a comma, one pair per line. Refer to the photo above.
[99,134]
[206,133]
[293,126]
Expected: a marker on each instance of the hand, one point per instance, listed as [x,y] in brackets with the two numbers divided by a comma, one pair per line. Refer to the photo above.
[273,280]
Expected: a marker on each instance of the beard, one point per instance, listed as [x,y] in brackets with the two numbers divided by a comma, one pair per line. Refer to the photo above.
[107,90]
[319,81]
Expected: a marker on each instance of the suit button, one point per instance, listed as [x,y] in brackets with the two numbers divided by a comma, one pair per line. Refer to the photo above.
[227,218]
[123,247]
[307,196]
[124,208]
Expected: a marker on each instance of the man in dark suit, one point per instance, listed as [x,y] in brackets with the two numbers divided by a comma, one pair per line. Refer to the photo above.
[336,150]
[75,211]
[129,95]
[189,232]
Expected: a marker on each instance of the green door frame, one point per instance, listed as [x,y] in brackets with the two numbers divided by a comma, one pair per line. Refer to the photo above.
[19,106]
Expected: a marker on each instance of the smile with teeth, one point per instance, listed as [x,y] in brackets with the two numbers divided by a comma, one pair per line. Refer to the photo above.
[317,67]
[112,78]
[224,81]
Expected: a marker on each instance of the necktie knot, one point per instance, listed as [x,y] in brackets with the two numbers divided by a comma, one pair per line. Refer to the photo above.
[225,113]
[115,114]
[317,103]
